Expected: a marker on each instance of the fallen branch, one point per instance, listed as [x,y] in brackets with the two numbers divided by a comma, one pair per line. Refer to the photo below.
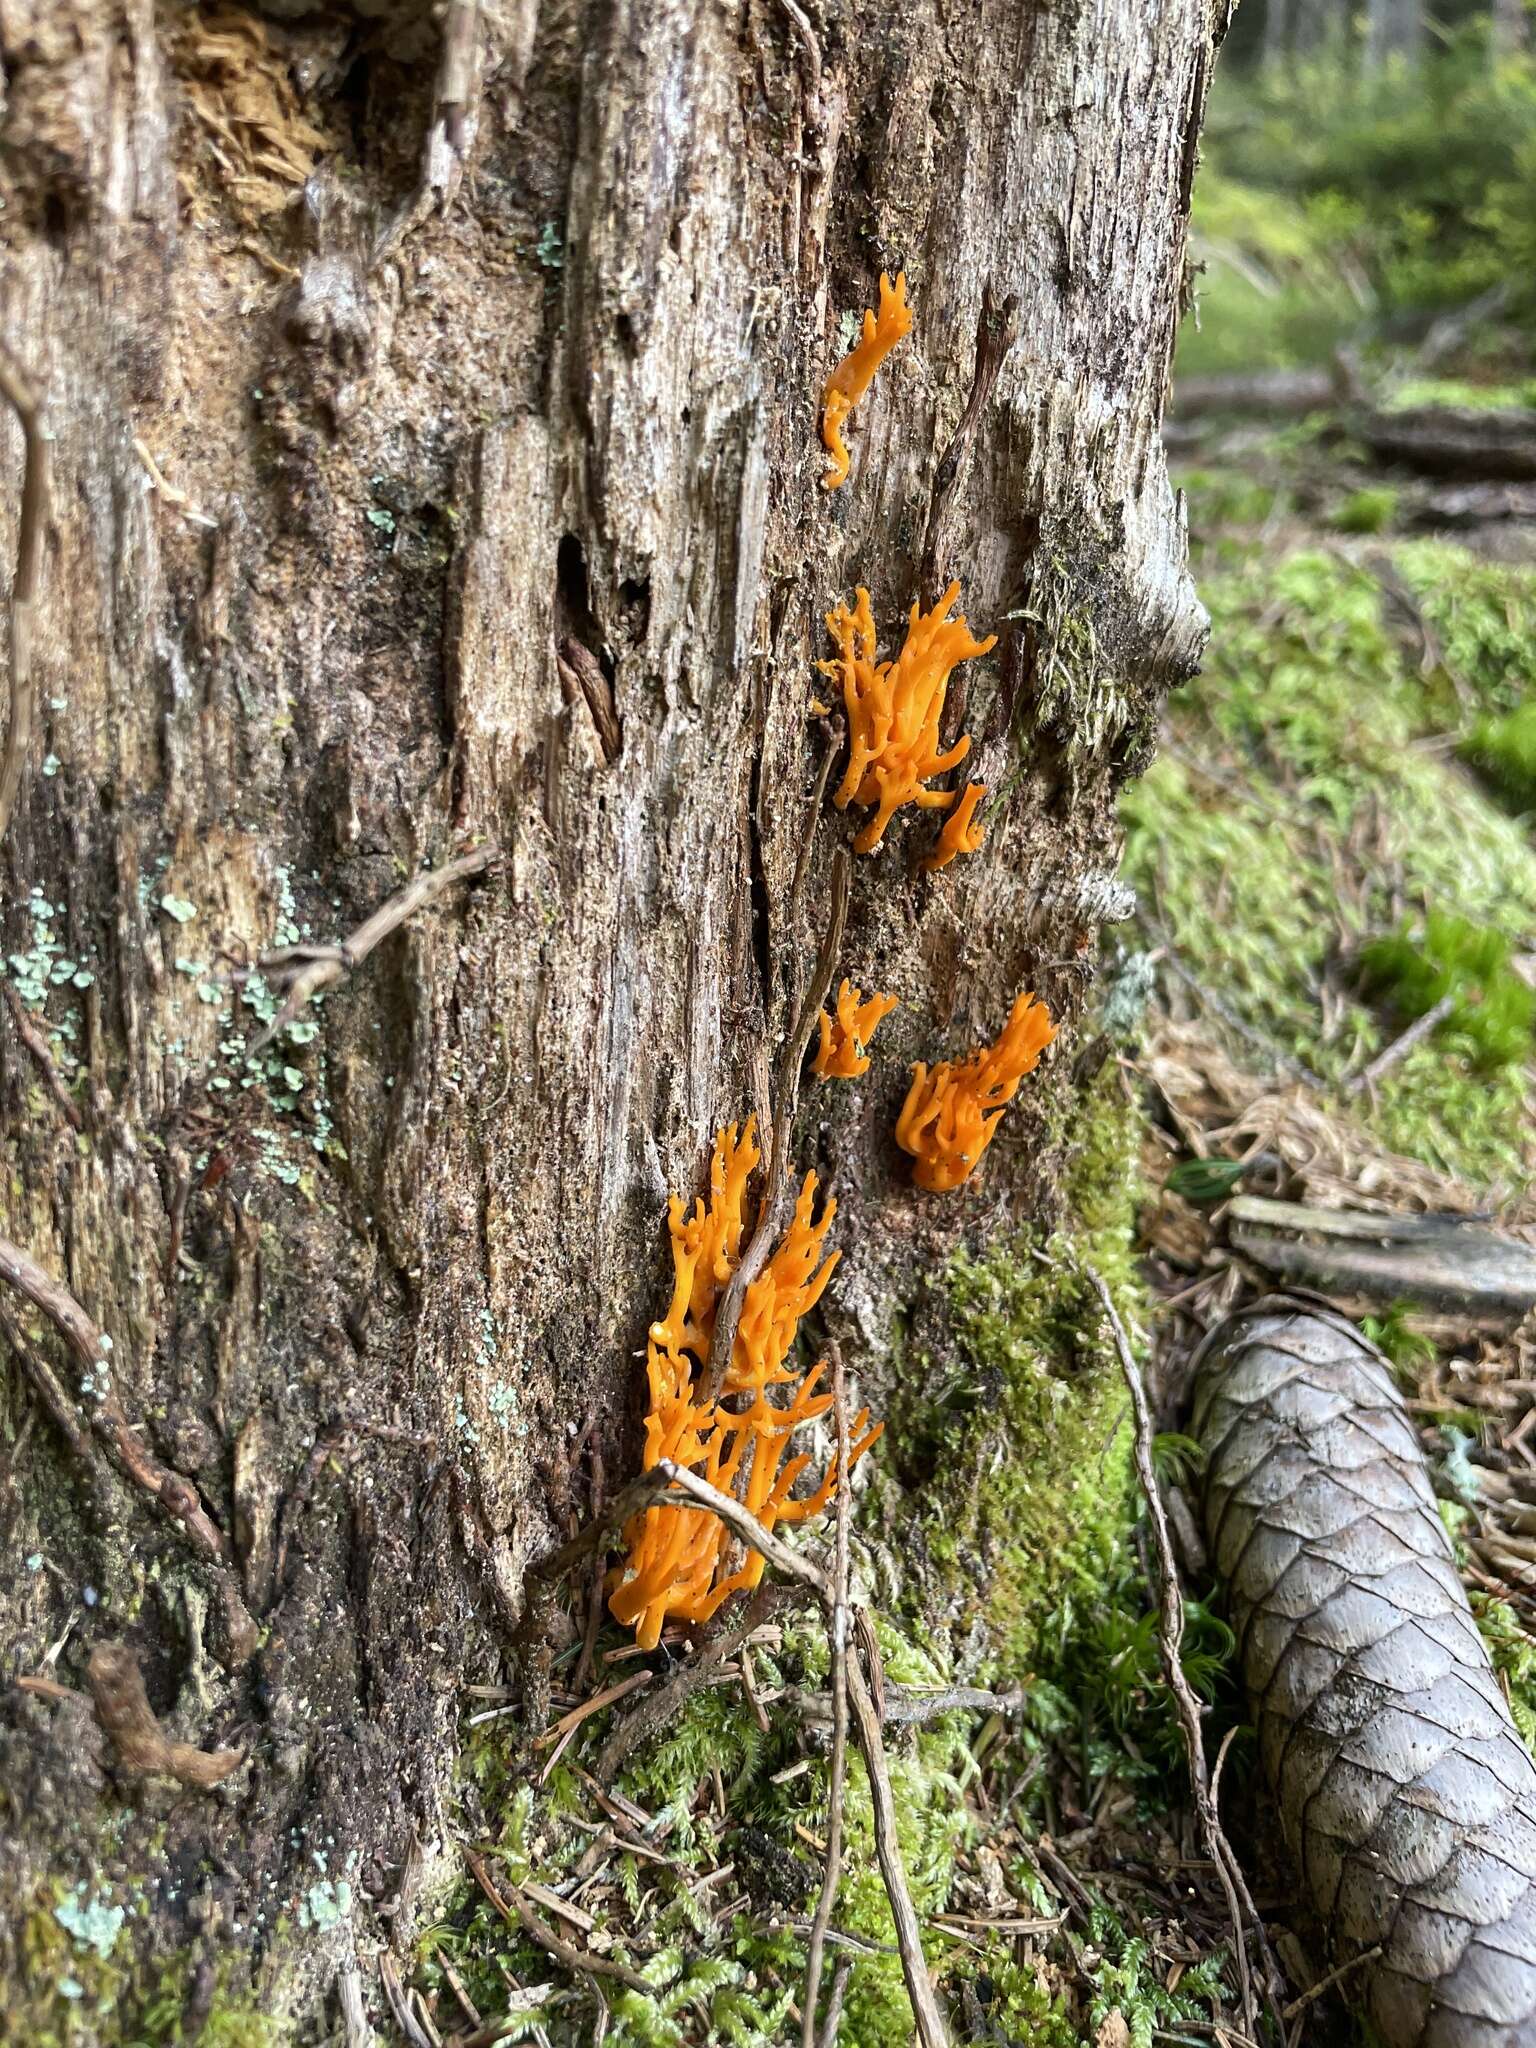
[140,1747]
[1452,441]
[177,1495]
[1171,1637]
[1440,1262]
[516,1911]
[16,389]
[307,970]
[1277,394]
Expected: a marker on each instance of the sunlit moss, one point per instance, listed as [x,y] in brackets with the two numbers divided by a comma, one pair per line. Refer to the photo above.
[1299,817]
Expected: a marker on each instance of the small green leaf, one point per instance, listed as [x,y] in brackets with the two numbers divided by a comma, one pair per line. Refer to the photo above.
[1205,1180]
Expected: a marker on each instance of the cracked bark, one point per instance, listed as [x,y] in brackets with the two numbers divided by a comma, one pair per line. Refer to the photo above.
[564,429]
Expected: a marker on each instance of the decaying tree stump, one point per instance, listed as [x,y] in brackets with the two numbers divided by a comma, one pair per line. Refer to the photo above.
[404,514]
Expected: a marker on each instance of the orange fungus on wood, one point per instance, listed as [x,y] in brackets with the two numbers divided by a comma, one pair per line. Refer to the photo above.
[951,1113]
[894,709]
[959,834]
[676,1567]
[842,1054]
[854,374]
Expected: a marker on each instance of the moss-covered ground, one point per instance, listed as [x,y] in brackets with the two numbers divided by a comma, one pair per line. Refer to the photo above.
[1316,831]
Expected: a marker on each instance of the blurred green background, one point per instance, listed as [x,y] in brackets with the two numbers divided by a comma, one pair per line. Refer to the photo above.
[1364,175]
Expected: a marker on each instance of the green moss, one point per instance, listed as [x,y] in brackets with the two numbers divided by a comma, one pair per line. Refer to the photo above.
[1513,1655]
[1482,621]
[1448,956]
[1369,510]
[85,1984]
[1504,749]
[1009,1434]
[1296,817]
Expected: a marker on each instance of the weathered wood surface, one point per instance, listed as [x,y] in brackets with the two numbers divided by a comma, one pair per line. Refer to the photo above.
[1439,1262]
[320,523]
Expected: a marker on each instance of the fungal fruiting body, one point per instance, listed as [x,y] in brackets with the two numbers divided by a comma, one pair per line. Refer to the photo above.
[959,834]
[676,1567]
[852,378]
[843,1052]
[951,1112]
[894,709]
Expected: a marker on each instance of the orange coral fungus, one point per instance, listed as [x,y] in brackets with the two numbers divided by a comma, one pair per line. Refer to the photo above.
[676,1566]
[854,374]
[959,834]
[894,708]
[950,1114]
[842,1053]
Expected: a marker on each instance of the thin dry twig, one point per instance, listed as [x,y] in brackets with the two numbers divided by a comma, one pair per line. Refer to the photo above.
[515,1910]
[177,1495]
[1315,1991]
[660,1709]
[842,1971]
[16,389]
[599,1533]
[786,1097]
[399,2002]
[1171,1636]
[838,1629]
[666,1483]
[1399,1049]
[931,2032]
[313,968]
[904,1708]
[586,1708]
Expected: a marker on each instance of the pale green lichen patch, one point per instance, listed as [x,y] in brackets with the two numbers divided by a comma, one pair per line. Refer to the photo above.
[84,1983]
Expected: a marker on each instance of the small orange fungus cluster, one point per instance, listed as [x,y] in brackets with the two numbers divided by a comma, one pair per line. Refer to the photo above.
[678,1557]
[952,1112]
[854,374]
[894,709]
[842,1054]
[960,834]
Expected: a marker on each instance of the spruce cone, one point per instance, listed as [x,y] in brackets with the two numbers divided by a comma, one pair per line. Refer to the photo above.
[1407,1796]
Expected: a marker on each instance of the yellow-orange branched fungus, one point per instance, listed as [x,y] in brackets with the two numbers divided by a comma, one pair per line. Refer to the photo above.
[959,834]
[951,1113]
[894,709]
[676,1567]
[843,1053]
[854,374]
